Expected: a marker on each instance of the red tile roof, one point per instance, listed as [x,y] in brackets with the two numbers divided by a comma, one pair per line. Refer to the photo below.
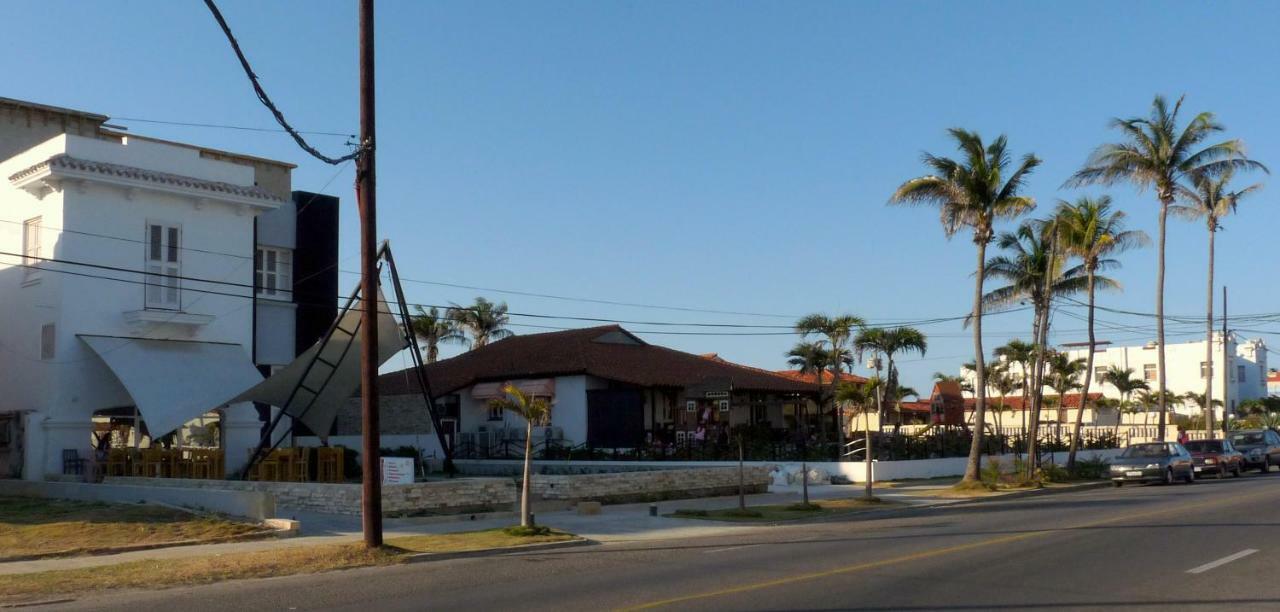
[608,352]
[809,378]
[917,406]
[1014,402]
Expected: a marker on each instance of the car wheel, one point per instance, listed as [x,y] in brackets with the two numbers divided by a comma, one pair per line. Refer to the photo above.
[1222,472]
[1266,466]
[1168,476]
[1117,483]
[1190,478]
[1237,472]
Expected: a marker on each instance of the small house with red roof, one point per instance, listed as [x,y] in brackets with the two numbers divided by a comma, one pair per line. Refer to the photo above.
[607,388]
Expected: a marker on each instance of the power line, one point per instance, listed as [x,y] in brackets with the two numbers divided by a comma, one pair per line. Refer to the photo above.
[227,127]
[266,100]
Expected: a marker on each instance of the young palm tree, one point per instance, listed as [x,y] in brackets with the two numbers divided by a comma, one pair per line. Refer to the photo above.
[534,410]
[1004,383]
[1021,353]
[811,358]
[431,329]
[891,342]
[973,193]
[863,398]
[1091,230]
[485,320]
[1157,153]
[1035,272]
[1126,382]
[838,332]
[1210,199]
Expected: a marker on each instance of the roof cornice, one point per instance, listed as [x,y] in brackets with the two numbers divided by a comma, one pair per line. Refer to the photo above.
[49,174]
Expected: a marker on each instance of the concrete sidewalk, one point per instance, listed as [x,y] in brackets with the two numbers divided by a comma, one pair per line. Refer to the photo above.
[615,524]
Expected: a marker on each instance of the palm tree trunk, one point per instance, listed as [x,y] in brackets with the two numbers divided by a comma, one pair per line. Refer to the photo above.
[1088,376]
[1026,382]
[1037,389]
[1208,339]
[839,413]
[1165,200]
[972,469]
[528,464]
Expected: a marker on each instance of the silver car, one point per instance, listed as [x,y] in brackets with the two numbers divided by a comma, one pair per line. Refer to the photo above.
[1153,462]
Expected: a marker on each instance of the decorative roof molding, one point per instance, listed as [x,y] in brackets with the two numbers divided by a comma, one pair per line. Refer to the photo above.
[46,175]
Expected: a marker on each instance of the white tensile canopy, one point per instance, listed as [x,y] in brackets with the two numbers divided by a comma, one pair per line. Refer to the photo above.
[174,381]
[317,401]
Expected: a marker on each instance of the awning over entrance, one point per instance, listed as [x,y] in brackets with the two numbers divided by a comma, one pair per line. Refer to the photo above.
[174,381]
[329,387]
[540,387]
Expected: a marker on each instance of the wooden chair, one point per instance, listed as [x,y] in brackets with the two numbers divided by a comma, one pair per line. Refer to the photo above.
[118,463]
[329,464]
[300,465]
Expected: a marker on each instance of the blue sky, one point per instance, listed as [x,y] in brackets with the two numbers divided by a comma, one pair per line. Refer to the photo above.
[731,156]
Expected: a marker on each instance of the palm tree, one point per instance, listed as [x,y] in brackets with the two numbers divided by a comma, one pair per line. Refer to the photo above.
[1126,382]
[988,375]
[1034,270]
[532,410]
[973,193]
[892,341]
[1064,376]
[838,332]
[1156,153]
[863,397]
[1004,383]
[1091,230]
[1210,199]
[1021,353]
[432,330]
[485,320]
[810,358]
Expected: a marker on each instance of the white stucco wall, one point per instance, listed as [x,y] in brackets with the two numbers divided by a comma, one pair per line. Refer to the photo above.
[63,392]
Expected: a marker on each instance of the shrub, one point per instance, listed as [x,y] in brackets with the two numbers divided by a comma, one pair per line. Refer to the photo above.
[803,507]
[1052,472]
[1093,468]
[525,532]
[743,513]
[992,470]
[689,512]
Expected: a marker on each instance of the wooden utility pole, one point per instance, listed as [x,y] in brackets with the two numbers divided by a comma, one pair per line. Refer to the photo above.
[1226,363]
[366,196]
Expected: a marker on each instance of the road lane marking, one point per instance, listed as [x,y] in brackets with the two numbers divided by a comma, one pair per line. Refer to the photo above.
[1223,561]
[719,550]
[936,552]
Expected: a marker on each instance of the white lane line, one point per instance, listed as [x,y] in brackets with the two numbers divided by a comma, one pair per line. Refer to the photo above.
[719,550]
[1223,561]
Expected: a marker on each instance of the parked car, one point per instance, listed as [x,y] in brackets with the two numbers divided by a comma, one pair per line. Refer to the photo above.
[1153,462]
[1217,457]
[1260,447]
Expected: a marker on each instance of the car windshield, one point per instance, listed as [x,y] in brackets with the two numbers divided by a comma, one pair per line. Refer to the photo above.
[1247,438]
[1146,450]
[1204,446]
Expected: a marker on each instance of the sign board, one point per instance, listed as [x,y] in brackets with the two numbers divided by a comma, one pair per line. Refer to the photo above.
[397,470]
[716,394]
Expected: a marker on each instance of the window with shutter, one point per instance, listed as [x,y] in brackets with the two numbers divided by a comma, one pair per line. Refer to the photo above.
[31,256]
[164,266]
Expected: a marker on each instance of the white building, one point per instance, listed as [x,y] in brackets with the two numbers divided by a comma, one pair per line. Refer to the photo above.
[1185,367]
[132,284]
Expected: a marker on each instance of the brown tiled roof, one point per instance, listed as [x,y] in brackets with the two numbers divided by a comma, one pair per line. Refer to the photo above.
[138,174]
[916,406]
[608,352]
[1014,402]
[809,378]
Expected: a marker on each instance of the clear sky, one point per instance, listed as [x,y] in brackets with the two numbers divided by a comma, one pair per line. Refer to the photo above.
[732,156]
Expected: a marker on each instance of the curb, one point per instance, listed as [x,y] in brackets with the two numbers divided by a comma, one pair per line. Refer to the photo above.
[32,604]
[487,552]
[1102,484]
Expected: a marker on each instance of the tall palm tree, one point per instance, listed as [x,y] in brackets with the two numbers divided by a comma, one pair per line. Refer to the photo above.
[1091,230]
[1021,353]
[838,332]
[485,320]
[1157,153]
[973,193]
[1034,269]
[1210,199]
[534,410]
[431,329]
[811,358]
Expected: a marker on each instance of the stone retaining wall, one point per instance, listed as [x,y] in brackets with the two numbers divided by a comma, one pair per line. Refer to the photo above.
[441,497]
[467,495]
[650,485]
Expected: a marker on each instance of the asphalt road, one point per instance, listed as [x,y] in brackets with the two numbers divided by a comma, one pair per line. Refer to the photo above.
[1158,547]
